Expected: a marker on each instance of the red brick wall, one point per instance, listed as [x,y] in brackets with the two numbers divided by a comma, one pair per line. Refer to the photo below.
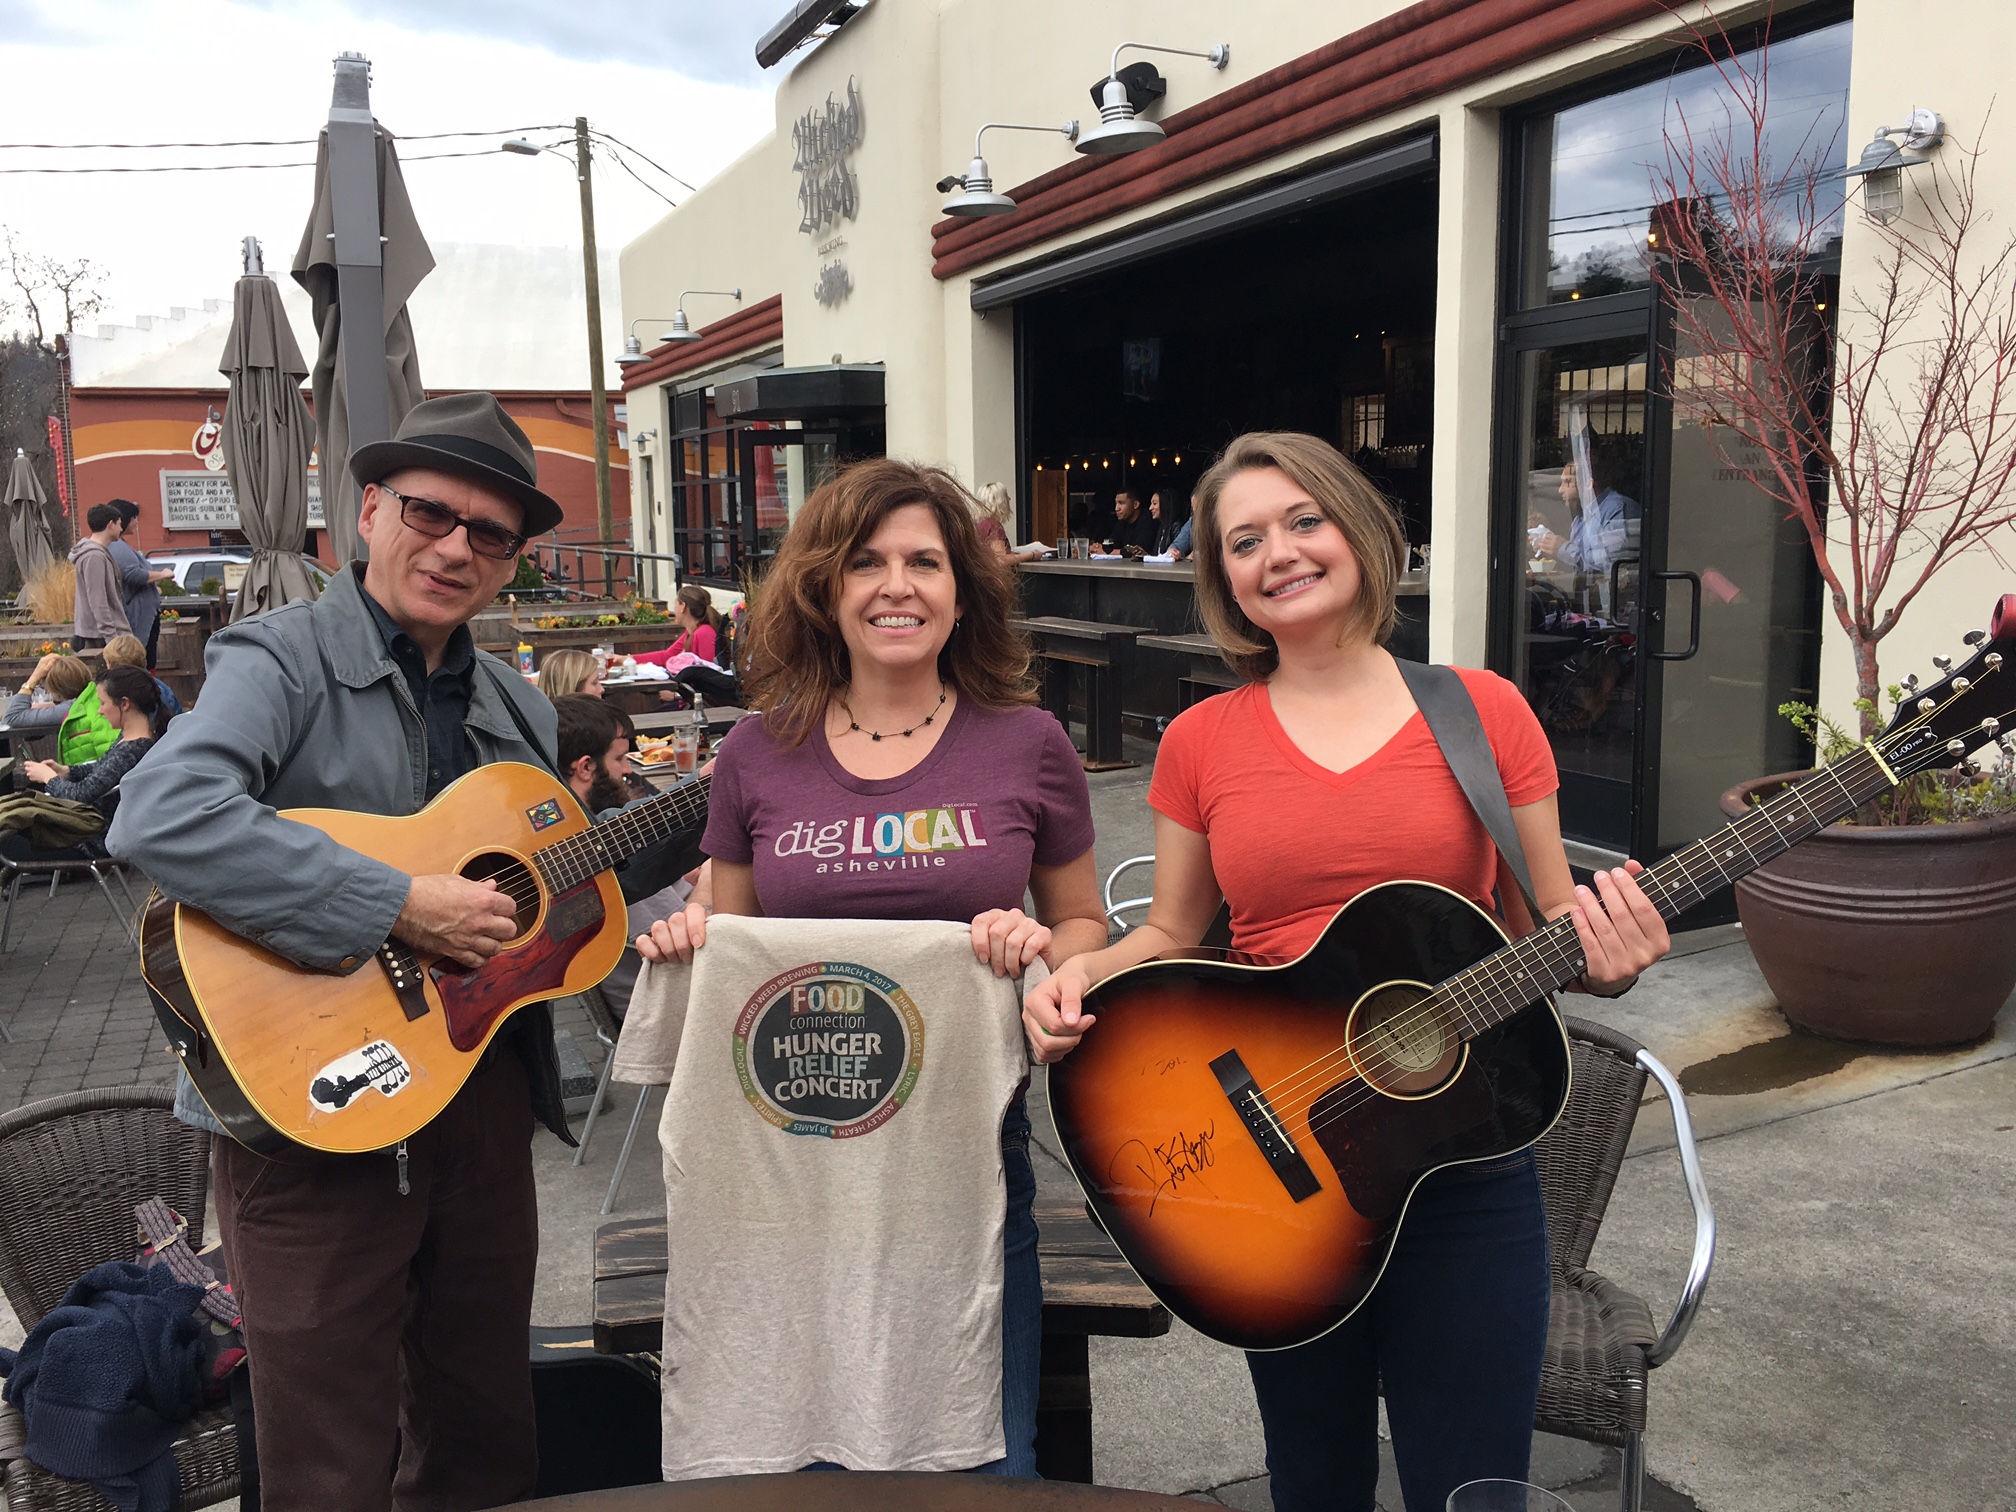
[126,438]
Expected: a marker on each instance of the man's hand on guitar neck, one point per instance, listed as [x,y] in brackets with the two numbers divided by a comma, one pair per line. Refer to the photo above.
[455,917]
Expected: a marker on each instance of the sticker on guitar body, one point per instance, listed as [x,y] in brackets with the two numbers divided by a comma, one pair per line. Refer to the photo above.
[376,1066]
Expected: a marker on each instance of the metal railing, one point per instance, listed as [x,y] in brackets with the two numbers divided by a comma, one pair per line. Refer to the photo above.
[614,572]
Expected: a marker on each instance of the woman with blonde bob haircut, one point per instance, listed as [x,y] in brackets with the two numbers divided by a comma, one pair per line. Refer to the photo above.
[881,654]
[1287,798]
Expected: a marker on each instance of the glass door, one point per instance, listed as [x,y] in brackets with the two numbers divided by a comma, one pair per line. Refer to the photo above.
[780,468]
[1578,473]
[1741,589]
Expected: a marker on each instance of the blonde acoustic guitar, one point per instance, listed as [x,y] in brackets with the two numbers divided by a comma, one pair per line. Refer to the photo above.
[359,1060]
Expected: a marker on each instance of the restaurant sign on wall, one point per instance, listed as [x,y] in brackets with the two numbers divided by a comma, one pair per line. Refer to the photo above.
[823,139]
[206,501]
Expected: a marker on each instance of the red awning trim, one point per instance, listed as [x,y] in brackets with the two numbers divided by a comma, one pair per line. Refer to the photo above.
[760,325]
[1414,54]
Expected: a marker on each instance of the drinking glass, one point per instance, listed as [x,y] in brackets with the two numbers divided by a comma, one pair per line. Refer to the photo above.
[43,697]
[685,747]
[1504,1496]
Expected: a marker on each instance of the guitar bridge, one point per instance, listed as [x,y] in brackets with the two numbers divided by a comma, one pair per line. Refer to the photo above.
[1268,1132]
[402,968]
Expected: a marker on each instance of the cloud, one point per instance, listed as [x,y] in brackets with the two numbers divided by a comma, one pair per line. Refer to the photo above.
[712,42]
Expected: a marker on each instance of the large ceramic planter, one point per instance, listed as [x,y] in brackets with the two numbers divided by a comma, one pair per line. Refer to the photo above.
[1901,936]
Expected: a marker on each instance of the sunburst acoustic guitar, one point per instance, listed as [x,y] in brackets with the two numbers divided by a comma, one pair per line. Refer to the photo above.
[351,1062]
[1251,1135]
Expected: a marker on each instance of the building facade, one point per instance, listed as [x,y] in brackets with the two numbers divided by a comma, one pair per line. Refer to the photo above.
[1418,230]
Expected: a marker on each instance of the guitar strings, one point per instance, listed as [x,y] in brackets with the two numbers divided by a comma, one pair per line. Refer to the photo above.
[1551,938]
[1764,815]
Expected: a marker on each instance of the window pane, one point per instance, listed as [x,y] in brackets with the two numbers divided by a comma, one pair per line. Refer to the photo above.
[1589,169]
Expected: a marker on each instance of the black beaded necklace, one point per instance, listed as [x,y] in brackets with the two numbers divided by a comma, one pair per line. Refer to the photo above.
[877,734]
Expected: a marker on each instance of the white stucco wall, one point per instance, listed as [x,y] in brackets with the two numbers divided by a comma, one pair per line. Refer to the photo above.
[931,71]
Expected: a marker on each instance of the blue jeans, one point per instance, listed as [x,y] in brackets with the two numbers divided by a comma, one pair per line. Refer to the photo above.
[1021,1306]
[1455,1331]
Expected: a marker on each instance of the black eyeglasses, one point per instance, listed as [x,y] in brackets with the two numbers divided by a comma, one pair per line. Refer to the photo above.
[439,521]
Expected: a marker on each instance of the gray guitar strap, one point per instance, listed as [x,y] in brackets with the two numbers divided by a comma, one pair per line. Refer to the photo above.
[1452,719]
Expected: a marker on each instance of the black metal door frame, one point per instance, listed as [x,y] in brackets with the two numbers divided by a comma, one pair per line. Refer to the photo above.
[1641,314]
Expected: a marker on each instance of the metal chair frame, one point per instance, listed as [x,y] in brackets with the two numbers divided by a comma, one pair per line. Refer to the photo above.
[607,1029]
[1657,1349]
[13,873]
[1114,910]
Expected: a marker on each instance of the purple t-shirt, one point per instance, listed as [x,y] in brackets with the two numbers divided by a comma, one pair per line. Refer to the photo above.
[951,838]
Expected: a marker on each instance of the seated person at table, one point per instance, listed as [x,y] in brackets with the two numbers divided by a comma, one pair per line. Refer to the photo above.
[594,760]
[81,731]
[1128,525]
[569,671]
[700,628]
[994,518]
[1598,534]
[127,651]
[129,702]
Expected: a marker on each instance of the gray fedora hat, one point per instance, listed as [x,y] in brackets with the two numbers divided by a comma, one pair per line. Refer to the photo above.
[470,436]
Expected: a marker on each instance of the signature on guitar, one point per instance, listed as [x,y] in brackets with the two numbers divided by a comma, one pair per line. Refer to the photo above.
[1166,1166]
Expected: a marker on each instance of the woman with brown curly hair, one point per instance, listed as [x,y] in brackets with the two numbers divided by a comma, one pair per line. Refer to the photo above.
[900,771]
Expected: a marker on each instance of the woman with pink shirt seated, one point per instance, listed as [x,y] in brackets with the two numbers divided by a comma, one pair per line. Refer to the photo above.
[699,623]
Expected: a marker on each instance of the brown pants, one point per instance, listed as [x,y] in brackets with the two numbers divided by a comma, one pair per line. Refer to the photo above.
[387,1334]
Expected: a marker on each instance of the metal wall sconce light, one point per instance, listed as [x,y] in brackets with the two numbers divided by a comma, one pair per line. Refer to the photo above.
[1120,127]
[633,350]
[976,196]
[1883,161]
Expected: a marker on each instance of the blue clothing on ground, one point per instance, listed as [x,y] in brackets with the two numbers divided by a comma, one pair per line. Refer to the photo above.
[106,1380]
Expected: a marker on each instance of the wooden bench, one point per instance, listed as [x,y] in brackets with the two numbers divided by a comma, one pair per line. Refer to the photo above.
[1206,673]
[1104,652]
[1087,1289]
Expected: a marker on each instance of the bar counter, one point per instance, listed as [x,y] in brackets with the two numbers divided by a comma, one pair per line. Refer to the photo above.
[1160,599]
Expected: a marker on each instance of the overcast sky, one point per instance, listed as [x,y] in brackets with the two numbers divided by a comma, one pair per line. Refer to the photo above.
[675,78]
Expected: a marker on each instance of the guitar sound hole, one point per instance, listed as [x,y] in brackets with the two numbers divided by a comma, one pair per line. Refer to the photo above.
[511,876]
[1401,1046]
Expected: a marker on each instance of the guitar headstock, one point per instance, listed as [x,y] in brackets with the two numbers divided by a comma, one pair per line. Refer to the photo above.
[1971,705]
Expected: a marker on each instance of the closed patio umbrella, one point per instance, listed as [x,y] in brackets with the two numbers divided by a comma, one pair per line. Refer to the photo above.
[267,435]
[27,525]
[407,260]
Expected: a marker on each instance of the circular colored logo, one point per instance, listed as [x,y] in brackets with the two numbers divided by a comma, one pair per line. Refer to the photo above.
[829,1049]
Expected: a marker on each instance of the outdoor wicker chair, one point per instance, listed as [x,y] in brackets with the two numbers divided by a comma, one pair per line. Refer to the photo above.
[1602,1342]
[72,1169]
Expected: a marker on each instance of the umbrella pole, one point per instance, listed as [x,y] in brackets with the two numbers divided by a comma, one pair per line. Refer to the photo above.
[360,268]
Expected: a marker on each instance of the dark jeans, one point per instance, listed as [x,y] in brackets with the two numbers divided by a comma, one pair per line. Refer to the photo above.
[153,641]
[1454,1330]
[387,1332]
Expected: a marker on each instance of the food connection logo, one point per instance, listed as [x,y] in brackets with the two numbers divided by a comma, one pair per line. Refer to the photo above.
[829,1049]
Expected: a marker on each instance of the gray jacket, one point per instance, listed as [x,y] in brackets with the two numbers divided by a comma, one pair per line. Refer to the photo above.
[101,603]
[303,707]
[136,589]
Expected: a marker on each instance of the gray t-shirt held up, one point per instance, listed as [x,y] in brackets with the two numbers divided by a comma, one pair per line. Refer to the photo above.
[834,1195]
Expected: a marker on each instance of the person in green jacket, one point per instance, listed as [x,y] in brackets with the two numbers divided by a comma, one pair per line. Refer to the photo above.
[81,731]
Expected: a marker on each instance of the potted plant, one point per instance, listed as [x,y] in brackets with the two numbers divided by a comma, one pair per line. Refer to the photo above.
[1899,925]
[1879,411]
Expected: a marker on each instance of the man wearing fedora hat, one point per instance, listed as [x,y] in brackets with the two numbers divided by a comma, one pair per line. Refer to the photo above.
[386,1296]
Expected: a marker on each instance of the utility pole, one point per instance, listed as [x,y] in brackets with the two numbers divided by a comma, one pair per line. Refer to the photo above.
[598,398]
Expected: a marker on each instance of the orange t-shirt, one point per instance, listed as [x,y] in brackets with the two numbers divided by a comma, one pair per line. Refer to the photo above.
[1292,842]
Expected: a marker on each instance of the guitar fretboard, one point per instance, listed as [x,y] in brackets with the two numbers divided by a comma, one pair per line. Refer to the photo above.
[601,846]
[1503,983]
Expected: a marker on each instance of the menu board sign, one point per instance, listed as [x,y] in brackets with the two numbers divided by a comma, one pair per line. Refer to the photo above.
[205,501]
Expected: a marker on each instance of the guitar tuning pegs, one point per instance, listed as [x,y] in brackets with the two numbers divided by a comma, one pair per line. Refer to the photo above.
[1911,682]
[1961,684]
[1975,637]
[1991,726]
[1992,661]
[1943,663]
[1956,748]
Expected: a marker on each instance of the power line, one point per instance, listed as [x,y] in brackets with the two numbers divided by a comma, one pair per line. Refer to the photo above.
[424,136]
[423,157]
[624,164]
[618,141]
